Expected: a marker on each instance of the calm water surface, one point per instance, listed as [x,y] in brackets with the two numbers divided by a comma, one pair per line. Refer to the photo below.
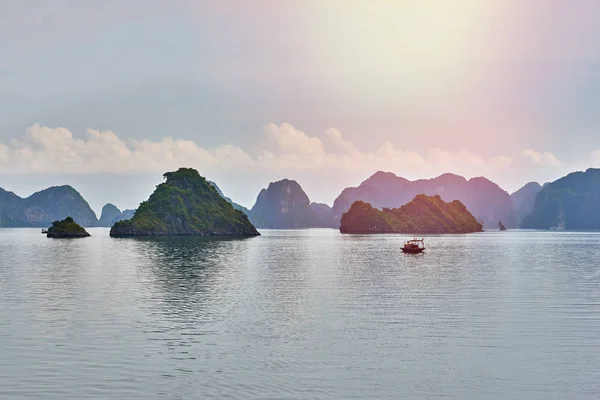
[300,315]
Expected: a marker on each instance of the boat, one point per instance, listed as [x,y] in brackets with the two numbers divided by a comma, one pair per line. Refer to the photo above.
[414,246]
[44,231]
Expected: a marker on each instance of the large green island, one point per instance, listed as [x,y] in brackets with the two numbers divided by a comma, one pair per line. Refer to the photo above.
[186,204]
[65,229]
[423,215]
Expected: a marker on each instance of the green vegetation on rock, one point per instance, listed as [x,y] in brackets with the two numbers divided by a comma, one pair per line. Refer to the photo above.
[125,214]
[185,204]
[67,228]
[484,199]
[235,205]
[424,214]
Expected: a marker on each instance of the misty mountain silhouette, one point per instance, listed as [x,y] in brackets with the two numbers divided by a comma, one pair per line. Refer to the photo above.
[482,197]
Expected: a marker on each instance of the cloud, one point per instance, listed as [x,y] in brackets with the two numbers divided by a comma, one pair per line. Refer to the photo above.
[284,150]
[289,149]
[324,164]
[45,149]
[288,139]
[544,158]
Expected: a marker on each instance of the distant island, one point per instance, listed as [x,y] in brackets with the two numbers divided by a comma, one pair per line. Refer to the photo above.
[483,198]
[111,214]
[285,205]
[524,199]
[186,204]
[571,202]
[423,215]
[67,228]
[567,203]
[43,207]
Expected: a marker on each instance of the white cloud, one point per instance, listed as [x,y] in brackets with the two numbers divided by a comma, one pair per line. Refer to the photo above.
[45,149]
[323,164]
[284,149]
[290,140]
[544,158]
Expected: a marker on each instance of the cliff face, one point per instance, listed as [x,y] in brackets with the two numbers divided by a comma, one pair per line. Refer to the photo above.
[483,198]
[185,204]
[111,214]
[423,215]
[571,202]
[524,198]
[43,207]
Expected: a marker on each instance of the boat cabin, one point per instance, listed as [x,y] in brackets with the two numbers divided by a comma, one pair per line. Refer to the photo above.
[414,246]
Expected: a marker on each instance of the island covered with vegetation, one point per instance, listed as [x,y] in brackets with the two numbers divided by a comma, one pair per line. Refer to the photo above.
[67,228]
[186,204]
[424,214]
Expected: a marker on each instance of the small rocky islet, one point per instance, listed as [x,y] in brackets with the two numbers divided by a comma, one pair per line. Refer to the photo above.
[423,215]
[186,204]
[66,229]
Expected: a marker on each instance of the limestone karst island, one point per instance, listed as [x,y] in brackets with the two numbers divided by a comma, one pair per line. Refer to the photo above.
[423,215]
[186,204]
[65,229]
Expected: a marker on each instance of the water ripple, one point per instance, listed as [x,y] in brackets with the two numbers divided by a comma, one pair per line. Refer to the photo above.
[300,314]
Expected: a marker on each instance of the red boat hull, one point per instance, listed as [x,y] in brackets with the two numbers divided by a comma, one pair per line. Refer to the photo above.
[412,251]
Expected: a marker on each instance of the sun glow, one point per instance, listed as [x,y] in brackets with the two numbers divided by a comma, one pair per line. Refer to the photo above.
[418,45]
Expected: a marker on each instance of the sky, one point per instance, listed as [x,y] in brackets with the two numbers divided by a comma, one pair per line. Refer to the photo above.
[107,96]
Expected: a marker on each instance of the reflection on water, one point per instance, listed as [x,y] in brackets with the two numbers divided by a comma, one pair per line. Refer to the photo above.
[300,314]
[186,274]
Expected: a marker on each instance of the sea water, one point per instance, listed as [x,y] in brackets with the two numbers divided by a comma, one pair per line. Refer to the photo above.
[309,314]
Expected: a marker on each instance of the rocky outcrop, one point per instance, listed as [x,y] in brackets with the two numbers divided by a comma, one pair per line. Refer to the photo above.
[185,205]
[423,215]
[66,229]
[483,198]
